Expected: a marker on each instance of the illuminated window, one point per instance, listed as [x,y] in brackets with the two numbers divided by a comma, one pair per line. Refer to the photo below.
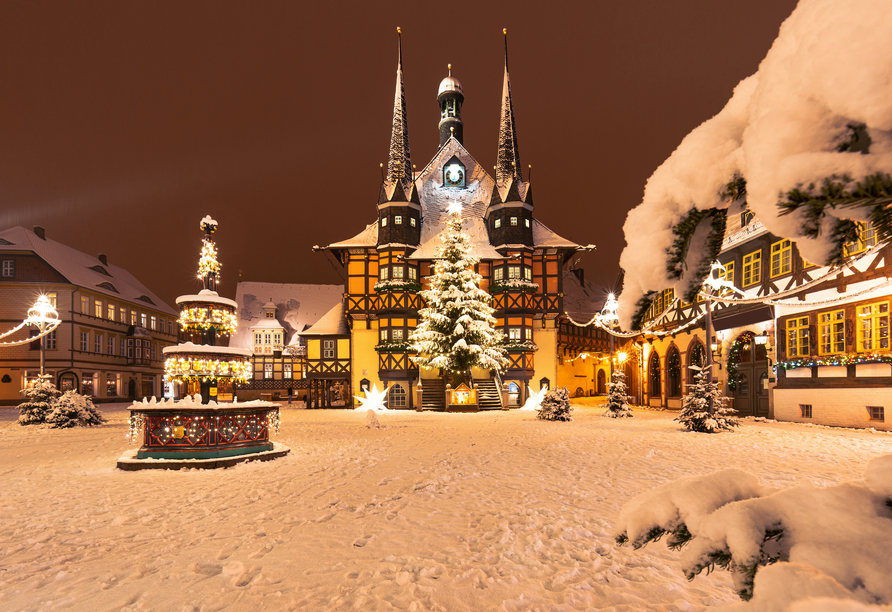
[873,326]
[867,237]
[97,309]
[752,268]
[513,220]
[398,272]
[122,315]
[797,337]
[527,222]
[781,258]
[383,221]
[397,335]
[133,317]
[413,274]
[497,223]
[398,220]
[383,274]
[527,273]
[412,221]
[289,371]
[328,349]
[52,298]
[85,305]
[154,320]
[396,397]
[383,335]
[514,333]
[111,312]
[832,332]
[142,319]
[267,371]
[513,272]
[529,333]
[498,274]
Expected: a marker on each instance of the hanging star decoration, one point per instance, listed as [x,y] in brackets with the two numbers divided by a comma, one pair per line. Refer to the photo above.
[534,398]
[373,400]
[454,207]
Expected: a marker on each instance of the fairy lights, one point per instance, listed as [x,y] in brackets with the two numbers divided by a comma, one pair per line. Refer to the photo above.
[843,359]
[207,367]
[202,317]
[207,263]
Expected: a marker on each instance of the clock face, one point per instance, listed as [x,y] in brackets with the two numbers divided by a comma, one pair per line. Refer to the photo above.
[454,175]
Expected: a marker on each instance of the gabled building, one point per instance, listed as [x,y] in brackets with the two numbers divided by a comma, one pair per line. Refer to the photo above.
[113,328]
[522,262]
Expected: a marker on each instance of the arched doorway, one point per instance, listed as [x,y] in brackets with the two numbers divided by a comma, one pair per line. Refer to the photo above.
[602,382]
[748,375]
[654,378]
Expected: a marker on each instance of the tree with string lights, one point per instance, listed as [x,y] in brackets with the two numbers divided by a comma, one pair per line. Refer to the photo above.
[457,328]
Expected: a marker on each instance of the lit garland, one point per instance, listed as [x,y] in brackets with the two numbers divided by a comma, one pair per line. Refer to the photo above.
[137,423]
[835,300]
[273,421]
[734,357]
[834,360]
[208,263]
[206,367]
[201,317]
[514,284]
[520,345]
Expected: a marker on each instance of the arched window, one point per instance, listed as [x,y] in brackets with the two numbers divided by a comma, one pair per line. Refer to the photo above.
[698,355]
[602,382]
[396,397]
[673,373]
[656,382]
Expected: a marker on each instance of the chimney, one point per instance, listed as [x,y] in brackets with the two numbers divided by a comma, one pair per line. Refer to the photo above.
[103,259]
[41,233]
[580,275]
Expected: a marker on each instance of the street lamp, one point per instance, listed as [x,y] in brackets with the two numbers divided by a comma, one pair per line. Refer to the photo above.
[609,316]
[43,316]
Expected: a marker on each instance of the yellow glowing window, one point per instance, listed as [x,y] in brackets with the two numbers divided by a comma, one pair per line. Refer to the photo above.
[832,332]
[797,337]
[867,237]
[873,327]
[781,258]
[752,268]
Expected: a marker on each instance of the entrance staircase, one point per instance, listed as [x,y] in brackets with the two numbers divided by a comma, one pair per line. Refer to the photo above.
[433,394]
[489,396]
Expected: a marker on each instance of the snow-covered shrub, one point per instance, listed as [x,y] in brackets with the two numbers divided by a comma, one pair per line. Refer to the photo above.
[39,399]
[821,541]
[617,397]
[556,406]
[695,407]
[74,410]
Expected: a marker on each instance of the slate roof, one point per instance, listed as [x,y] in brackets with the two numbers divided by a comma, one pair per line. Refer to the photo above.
[81,269]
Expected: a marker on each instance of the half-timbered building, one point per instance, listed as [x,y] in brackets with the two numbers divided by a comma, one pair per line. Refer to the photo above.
[522,262]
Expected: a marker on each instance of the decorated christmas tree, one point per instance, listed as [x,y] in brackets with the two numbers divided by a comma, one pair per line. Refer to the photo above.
[39,398]
[74,410]
[556,406]
[457,329]
[617,397]
[695,414]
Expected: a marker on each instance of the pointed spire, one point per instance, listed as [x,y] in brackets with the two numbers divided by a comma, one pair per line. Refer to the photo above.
[508,160]
[399,165]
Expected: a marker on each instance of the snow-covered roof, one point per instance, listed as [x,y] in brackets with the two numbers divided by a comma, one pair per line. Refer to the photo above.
[267,324]
[299,306]
[582,300]
[474,227]
[81,269]
[545,238]
[366,238]
[333,323]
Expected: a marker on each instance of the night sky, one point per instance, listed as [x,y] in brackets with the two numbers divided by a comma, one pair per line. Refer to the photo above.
[123,123]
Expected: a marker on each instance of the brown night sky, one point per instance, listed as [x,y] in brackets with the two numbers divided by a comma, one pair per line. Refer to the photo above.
[123,123]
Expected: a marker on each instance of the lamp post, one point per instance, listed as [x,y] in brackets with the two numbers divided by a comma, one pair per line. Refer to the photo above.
[609,316]
[43,316]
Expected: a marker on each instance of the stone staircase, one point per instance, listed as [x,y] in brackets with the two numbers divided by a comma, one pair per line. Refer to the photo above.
[433,394]
[489,396]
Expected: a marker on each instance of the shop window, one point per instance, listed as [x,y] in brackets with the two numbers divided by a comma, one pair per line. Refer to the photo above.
[832,332]
[797,337]
[752,268]
[873,326]
[87,384]
[781,258]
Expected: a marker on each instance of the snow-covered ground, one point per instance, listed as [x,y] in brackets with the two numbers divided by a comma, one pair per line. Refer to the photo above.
[477,512]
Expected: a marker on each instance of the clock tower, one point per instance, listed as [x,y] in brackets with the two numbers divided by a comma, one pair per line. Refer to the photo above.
[450,98]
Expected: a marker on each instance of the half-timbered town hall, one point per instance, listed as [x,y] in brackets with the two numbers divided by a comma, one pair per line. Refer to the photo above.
[525,266]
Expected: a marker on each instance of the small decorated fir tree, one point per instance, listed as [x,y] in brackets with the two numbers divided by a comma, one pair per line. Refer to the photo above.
[39,399]
[617,397]
[695,407]
[457,329]
[74,410]
[556,406]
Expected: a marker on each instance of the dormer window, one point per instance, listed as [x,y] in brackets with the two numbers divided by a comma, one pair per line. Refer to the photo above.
[454,173]
[513,220]
[497,224]
[270,314]
[398,220]
[527,222]
[412,221]
[384,222]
